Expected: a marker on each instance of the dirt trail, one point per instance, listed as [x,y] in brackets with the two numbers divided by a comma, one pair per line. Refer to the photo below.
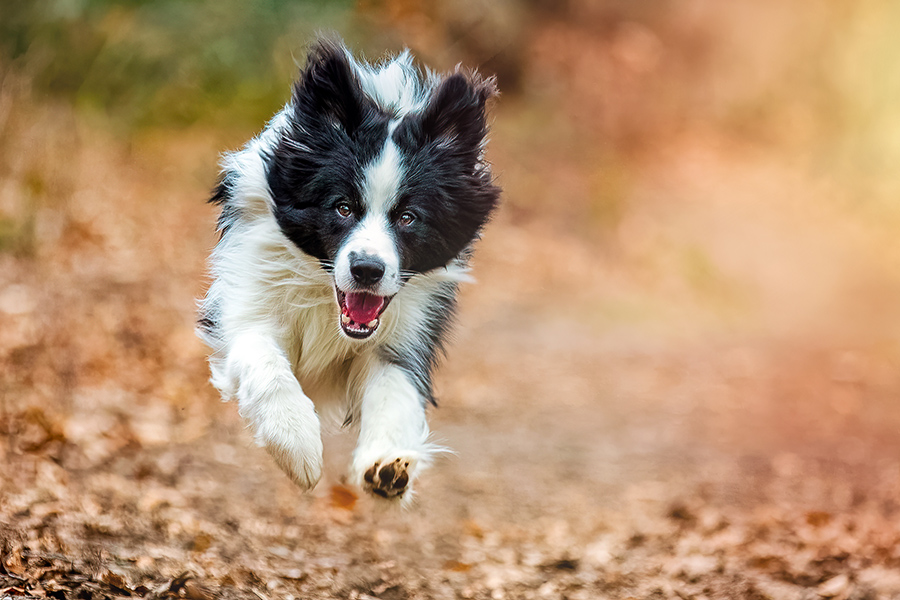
[617,432]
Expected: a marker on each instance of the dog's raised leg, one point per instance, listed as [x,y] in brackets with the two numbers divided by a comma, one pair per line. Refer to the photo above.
[270,397]
[393,447]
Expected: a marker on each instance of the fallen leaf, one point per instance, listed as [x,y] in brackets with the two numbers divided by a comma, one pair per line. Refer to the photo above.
[343,497]
[457,567]
[818,518]
[202,542]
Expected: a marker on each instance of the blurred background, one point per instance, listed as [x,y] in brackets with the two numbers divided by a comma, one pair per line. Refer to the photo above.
[687,308]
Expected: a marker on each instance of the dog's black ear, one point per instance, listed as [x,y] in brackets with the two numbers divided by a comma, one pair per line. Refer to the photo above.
[456,110]
[328,87]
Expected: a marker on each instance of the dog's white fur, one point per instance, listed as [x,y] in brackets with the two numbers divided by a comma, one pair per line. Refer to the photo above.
[278,344]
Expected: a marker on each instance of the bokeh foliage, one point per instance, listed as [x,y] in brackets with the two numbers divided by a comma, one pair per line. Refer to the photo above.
[165,62]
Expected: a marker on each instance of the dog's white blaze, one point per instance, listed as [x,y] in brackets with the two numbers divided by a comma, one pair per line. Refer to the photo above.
[381,182]
[381,179]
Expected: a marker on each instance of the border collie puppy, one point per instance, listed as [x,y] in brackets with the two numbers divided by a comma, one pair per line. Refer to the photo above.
[346,227]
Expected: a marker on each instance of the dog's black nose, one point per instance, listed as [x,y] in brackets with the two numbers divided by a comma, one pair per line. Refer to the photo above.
[366,270]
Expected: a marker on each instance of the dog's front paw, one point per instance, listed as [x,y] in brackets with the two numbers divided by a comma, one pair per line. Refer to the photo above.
[297,450]
[389,475]
[303,466]
[389,479]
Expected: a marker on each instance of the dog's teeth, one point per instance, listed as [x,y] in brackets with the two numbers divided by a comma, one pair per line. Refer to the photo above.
[345,319]
[372,324]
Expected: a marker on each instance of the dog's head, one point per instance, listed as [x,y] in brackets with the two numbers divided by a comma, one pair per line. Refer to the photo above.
[380,175]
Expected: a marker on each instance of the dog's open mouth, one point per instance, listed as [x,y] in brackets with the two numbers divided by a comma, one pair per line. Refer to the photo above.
[361,312]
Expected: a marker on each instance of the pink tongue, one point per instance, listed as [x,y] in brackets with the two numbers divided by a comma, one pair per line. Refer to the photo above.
[362,307]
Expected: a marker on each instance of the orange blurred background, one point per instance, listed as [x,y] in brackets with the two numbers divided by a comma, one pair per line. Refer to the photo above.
[688,304]
[708,186]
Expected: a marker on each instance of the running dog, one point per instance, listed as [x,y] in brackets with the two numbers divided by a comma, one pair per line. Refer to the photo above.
[345,229]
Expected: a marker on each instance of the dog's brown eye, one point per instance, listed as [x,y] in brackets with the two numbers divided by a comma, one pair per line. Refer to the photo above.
[344,209]
[407,218]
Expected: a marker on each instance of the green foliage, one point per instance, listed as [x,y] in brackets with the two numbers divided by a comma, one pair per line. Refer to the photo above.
[17,237]
[166,62]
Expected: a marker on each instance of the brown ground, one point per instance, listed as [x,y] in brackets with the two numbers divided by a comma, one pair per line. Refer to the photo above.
[696,398]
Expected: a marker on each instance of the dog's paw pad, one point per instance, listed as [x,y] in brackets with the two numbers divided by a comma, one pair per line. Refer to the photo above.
[389,479]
